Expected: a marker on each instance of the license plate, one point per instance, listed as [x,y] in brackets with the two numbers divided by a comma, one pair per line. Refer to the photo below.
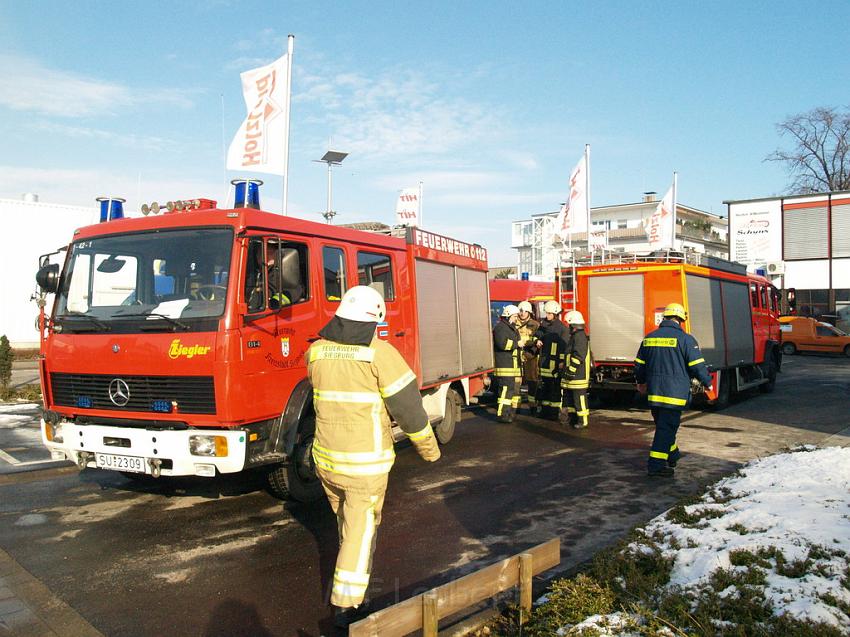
[120,463]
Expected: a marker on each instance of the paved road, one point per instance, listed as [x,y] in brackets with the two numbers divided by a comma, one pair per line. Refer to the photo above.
[223,557]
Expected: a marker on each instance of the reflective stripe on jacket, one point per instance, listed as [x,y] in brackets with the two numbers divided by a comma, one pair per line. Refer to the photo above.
[356,389]
[666,361]
[506,350]
[576,373]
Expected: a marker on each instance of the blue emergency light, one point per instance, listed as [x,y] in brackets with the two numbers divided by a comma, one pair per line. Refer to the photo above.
[111,208]
[247,193]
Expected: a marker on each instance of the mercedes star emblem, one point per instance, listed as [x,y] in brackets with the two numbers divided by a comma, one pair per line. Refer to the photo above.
[119,392]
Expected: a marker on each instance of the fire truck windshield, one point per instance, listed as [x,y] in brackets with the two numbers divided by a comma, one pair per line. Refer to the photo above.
[170,279]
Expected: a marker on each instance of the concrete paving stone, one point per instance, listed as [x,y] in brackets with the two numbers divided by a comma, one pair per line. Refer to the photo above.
[5,592]
[24,624]
[11,605]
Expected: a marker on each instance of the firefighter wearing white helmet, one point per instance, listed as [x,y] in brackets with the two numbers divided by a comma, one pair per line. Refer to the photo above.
[527,326]
[507,374]
[552,340]
[359,383]
[575,379]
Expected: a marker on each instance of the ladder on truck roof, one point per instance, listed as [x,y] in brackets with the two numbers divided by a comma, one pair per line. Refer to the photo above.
[687,257]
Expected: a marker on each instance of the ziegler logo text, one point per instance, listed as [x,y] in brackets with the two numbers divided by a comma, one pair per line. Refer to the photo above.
[177,350]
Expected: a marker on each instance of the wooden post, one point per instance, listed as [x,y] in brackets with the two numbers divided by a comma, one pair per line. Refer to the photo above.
[430,618]
[526,570]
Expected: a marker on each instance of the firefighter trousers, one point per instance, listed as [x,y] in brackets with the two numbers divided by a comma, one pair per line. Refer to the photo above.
[507,397]
[357,502]
[549,394]
[664,450]
[576,406]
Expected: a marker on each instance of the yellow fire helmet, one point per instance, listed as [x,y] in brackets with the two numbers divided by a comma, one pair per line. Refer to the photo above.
[676,310]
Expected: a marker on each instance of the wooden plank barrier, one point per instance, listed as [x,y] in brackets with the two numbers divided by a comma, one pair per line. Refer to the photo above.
[423,612]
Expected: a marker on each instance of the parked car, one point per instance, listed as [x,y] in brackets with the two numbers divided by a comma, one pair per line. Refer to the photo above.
[804,334]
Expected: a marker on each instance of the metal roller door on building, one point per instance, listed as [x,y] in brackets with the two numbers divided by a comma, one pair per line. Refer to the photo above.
[616,316]
[472,294]
[706,320]
[438,321]
[840,231]
[804,232]
[737,314]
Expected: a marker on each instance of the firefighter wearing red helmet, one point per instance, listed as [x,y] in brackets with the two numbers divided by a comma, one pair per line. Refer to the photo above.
[575,377]
[666,362]
[359,383]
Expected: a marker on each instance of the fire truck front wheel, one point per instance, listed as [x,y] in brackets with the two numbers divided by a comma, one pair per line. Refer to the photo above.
[297,479]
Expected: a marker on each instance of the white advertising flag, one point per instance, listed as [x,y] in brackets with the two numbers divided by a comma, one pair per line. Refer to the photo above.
[598,239]
[407,207]
[659,226]
[260,143]
[573,215]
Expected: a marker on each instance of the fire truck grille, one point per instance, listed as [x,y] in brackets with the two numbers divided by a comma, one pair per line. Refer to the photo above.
[157,394]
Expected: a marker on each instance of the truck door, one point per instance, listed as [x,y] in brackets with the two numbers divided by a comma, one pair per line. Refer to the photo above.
[378,270]
[282,317]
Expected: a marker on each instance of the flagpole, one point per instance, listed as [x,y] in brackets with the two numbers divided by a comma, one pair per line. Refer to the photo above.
[290,50]
[675,180]
[421,205]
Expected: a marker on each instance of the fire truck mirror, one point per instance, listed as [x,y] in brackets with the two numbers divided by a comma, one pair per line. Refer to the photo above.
[48,278]
[791,297]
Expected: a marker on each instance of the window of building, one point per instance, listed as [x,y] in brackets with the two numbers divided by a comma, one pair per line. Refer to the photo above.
[622,224]
[375,270]
[814,303]
[333,261]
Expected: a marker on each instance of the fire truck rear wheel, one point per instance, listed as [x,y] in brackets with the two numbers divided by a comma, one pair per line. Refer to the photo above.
[445,429]
[768,387]
[297,479]
[789,349]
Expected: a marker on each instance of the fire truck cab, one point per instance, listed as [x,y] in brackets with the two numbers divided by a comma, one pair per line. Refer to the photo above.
[733,315]
[176,341]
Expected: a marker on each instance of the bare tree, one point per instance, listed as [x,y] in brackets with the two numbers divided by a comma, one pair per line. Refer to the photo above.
[819,160]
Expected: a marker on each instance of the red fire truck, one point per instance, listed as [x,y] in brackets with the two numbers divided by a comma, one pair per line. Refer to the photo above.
[511,291]
[733,315]
[176,341]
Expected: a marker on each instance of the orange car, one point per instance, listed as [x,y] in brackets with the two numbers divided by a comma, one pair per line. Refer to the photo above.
[803,334]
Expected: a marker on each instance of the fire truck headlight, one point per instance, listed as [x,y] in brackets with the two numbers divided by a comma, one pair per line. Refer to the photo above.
[208,446]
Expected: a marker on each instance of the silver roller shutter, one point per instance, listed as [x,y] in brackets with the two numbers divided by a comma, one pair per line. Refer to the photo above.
[737,313]
[804,232]
[706,319]
[841,231]
[439,355]
[616,320]
[475,332]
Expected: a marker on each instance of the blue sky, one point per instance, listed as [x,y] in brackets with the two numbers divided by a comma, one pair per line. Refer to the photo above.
[488,103]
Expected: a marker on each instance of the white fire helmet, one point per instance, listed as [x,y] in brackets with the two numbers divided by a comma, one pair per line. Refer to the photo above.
[552,307]
[362,303]
[509,311]
[525,306]
[574,317]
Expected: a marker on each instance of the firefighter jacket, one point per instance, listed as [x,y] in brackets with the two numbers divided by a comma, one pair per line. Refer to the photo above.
[576,374]
[667,360]
[506,350]
[554,336]
[527,329]
[359,383]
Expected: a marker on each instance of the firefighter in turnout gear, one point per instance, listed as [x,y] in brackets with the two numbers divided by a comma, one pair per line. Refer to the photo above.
[552,340]
[527,327]
[359,383]
[508,373]
[666,362]
[575,377]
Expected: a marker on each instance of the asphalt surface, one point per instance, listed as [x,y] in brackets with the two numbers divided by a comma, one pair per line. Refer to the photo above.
[223,557]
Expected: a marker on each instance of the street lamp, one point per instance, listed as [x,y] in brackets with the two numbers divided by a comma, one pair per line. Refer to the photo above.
[331,158]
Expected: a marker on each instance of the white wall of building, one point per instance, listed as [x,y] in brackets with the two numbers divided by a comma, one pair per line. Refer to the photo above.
[30,229]
[807,274]
[841,274]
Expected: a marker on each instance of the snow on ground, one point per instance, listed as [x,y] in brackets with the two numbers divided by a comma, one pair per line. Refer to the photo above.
[795,504]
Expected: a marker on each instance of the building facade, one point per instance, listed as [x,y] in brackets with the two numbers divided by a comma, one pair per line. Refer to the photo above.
[801,242]
[539,249]
[33,228]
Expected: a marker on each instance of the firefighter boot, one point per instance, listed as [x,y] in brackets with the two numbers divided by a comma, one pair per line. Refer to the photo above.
[344,617]
[506,415]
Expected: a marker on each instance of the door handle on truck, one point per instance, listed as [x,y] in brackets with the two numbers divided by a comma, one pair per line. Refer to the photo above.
[400,333]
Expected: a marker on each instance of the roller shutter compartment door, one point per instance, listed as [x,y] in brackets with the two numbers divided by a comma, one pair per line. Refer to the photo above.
[737,314]
[804,232]
[841,231]
[476,345]
[438,321]
[616,318]
[706,319]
